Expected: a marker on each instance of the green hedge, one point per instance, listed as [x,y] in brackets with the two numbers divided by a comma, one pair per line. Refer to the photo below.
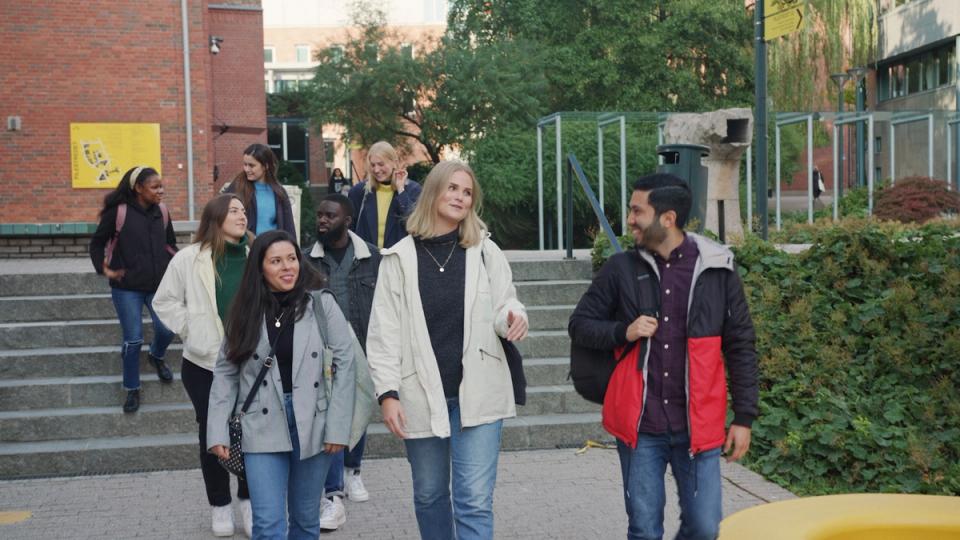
[859,347]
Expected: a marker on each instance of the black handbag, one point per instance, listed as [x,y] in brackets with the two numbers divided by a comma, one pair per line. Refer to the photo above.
[234,463]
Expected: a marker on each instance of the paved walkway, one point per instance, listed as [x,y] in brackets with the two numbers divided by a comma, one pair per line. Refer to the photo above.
[542,494]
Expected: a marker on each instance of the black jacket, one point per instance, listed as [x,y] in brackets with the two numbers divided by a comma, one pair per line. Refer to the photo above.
[628,285]
[361,279]
[366,212]
[141,249]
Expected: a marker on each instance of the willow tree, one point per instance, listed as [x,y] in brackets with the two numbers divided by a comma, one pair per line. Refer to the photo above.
[836,35]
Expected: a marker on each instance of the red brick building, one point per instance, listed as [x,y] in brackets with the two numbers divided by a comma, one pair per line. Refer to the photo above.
[113,61]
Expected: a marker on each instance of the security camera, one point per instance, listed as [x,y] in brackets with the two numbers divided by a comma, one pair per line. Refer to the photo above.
[215,44]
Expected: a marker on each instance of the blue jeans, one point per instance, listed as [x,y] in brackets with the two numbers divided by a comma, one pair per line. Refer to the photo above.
[352,459]
[471,454]
[282,484]
[698,485]
[129,305]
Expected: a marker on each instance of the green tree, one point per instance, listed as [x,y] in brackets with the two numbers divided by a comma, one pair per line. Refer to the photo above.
[450,94]
[639,55]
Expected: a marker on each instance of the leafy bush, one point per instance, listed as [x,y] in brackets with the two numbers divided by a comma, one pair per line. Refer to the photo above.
[858,340]
[916,199]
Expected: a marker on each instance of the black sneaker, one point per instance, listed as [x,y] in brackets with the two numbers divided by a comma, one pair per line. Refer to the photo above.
[133,401]
[162,370]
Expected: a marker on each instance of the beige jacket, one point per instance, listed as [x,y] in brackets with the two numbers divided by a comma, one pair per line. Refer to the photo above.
[186,302]
[400,354]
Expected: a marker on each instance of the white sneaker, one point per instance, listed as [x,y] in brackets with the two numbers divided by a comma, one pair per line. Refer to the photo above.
[332,513]
[246,515]
[222,520]
[353,485]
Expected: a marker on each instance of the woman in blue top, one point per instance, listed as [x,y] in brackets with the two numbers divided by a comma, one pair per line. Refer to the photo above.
[268,206]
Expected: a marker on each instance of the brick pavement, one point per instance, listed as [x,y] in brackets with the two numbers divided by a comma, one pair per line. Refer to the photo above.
[543,494]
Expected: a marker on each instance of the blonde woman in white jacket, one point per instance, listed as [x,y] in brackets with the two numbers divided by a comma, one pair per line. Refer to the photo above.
[444,297]
[193,300]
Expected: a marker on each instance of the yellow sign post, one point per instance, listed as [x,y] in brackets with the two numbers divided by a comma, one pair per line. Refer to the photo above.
[101,153]
[781,17]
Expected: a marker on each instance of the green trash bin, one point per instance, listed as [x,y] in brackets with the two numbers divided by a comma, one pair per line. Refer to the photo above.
[683,160]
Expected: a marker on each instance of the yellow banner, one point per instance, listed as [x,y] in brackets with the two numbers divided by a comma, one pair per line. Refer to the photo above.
[101,153]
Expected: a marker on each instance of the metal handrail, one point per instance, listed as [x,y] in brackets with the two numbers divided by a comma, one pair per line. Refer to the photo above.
[574,169]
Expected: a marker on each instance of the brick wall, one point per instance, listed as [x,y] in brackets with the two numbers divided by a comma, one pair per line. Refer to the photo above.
[115,61]
[57,247]
[237,93]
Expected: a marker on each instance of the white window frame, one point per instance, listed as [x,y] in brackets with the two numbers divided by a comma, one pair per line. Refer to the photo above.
[297,49]
[273,54]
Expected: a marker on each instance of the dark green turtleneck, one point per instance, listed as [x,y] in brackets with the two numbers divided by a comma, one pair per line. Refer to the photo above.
[230,269]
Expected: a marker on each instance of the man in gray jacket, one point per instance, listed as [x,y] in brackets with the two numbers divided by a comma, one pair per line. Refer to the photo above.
[351,266]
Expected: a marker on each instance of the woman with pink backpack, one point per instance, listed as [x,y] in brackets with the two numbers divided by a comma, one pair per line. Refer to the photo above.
[132,246]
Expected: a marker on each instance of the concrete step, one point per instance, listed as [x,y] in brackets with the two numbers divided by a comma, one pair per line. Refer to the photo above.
[101,391]
[56,308]
[73,361]
[82,333]
[85,332]
[179,450]
[158,418]
[69,362]
[551,270]
[549,317]
[550,293]
[86,282]
[16,309]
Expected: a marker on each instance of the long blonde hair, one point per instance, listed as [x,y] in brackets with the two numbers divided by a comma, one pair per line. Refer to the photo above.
[424,216]
[388,153]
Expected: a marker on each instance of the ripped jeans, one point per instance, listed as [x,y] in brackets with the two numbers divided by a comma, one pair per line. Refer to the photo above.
[129,305]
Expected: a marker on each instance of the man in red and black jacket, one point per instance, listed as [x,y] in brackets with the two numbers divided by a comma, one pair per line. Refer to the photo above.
[679,295]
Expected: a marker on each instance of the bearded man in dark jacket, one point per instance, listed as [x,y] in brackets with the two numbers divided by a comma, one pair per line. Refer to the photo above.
[674,310]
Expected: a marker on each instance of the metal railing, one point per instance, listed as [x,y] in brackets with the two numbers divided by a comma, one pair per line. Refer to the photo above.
[574,169]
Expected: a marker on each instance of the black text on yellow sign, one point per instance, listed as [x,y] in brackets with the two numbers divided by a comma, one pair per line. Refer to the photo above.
[782,23]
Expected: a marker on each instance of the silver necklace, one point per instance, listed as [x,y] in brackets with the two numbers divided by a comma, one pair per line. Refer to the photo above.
[276,321]
[440,266]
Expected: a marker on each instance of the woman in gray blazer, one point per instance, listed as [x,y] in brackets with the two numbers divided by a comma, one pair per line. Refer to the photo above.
[292,427]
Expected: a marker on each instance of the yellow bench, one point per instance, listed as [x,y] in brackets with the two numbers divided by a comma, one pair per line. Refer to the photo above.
[848,517]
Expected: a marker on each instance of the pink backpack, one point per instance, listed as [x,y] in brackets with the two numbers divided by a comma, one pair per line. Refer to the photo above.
[118,225]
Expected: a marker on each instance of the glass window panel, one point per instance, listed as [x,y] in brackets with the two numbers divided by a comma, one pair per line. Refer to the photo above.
[303,54]
[914,72]
[296,142]
[268,55]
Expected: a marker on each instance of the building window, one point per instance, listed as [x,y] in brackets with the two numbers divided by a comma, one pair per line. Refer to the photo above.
[406,50]
[336,54]
[268,55]
[928,70]
[303,54]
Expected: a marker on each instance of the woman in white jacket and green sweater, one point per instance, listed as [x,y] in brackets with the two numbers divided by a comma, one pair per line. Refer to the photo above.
[444,297]
[193,300]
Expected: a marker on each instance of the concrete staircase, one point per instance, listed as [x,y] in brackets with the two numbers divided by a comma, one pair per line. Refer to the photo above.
[60,384]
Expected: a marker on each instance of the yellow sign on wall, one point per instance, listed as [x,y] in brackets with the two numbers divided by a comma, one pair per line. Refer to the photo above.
[101,153]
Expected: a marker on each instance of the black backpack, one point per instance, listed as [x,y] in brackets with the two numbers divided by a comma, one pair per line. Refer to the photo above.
[591,369]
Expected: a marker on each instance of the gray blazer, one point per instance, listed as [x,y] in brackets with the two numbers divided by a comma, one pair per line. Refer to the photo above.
[320,418]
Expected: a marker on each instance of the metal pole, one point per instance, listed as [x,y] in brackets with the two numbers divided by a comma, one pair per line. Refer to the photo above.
[930,146]
[810,169]
[870,172]
[838,178]
[860,81]
[559,187]
[892,149]
[776,160]
[949,158]
[569,194]
[836,170]
[600,167]
[750,188]
[760,90]
[540,182]
[283,130]
[188,105]
[623,175]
